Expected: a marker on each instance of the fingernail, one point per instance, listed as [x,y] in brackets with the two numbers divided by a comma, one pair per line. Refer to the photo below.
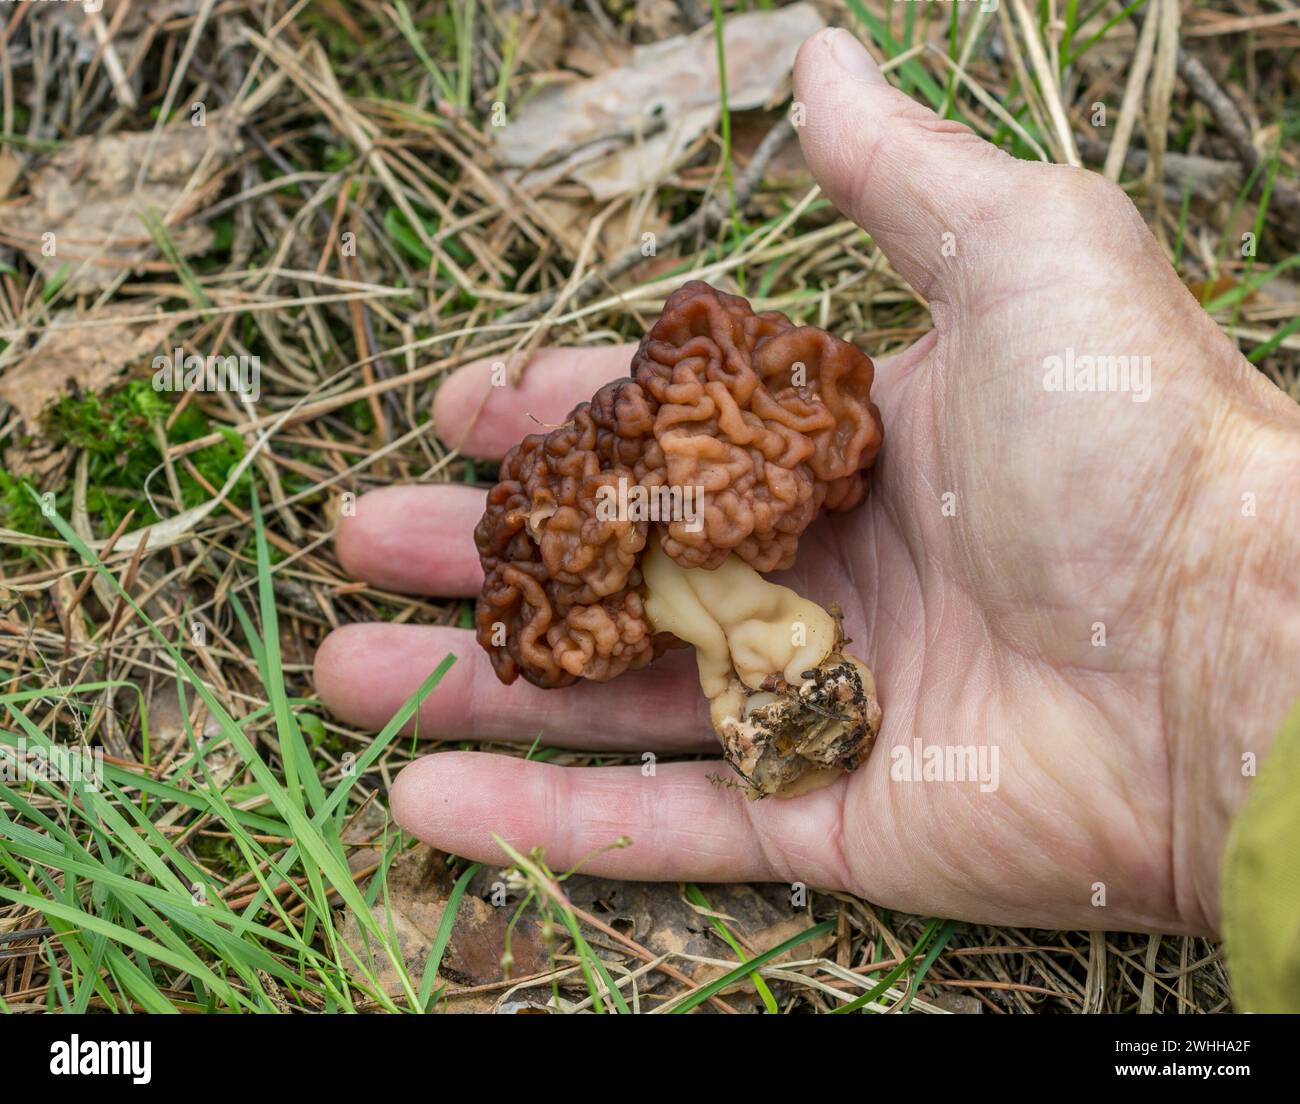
[850,55]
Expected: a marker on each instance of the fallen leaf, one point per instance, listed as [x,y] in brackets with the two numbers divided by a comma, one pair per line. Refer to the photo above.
[656,20]
[621,131]
[40,462]
[764,940]
[654,914]
[84,351]
[418,887]
[11,168]
[961,1004]
[167,725]
[571,218]
[787,169]
[1221,285]
[544,34]
[658,916]
[85,213]
[589,49]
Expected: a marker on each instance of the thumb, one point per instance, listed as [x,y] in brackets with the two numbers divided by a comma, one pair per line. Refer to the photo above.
[906,176]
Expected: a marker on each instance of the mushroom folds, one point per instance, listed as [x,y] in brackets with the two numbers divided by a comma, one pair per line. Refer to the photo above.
[644,521]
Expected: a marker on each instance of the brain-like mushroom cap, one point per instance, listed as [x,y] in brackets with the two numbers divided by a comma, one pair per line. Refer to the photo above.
[767,422]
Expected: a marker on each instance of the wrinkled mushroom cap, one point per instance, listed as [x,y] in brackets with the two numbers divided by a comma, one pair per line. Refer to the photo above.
[772,421]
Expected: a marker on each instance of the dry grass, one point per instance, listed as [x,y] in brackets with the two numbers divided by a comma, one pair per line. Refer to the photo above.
[337,124]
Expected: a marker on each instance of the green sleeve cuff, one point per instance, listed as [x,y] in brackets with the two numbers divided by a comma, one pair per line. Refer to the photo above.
[1261,883]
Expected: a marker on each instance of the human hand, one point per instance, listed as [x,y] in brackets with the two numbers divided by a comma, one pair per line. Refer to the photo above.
[1006,523]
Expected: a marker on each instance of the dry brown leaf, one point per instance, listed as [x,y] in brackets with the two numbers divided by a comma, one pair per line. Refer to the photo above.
[659,19]
[659,917]
[786,169]
[589,49]
[167,725]
[621,131]
[39,462]
[572,218]
[75,352]
[11,167]
[418,887]
[85,195]
[545,33]
[960,1004]
[764,940]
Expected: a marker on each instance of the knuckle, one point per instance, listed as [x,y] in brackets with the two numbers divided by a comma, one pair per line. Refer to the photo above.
[1079,195]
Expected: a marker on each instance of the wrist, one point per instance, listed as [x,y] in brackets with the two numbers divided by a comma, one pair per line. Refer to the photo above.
[1233,658]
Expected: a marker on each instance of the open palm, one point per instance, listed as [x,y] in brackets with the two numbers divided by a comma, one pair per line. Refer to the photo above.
[1015,579]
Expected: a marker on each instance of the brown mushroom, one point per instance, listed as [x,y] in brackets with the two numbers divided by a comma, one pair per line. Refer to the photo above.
[644,521]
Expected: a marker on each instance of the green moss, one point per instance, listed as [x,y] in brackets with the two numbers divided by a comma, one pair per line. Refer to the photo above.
[360,416]
[117,433]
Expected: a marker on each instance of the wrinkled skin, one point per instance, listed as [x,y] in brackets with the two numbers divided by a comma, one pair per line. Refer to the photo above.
[1118,764]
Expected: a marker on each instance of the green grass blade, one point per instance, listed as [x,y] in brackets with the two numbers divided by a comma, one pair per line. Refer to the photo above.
[696,896]
[443,936]
[699,996]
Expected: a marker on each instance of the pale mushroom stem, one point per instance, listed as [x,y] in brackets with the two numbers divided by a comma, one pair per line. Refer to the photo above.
[792,710]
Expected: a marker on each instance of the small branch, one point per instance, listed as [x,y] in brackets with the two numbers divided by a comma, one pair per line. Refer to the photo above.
[1207,178]
[25,933]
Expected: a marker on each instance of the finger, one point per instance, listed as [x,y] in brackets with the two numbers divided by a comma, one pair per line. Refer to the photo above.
[903,174]
[366,673]
[681,825]
[420,540]
[479,412]
[415,540]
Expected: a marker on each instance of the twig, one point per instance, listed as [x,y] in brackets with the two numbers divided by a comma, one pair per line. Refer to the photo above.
[25,933]
[1207,178]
